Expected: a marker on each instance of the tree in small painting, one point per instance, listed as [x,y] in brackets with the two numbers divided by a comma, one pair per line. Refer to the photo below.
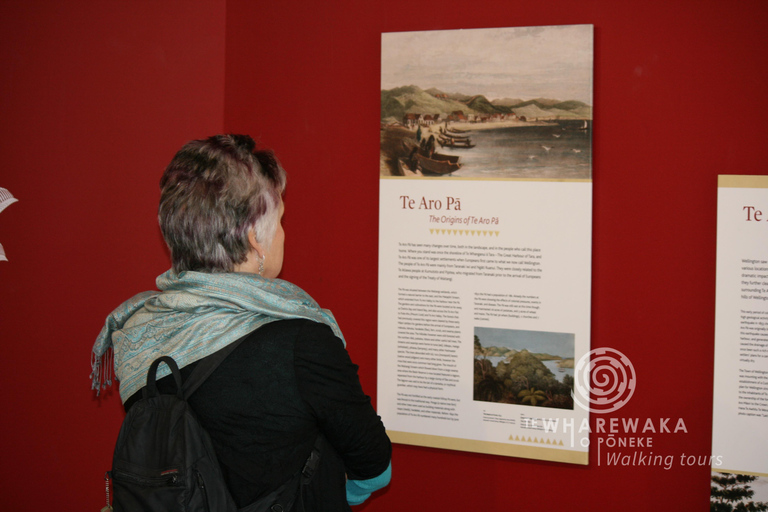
[729,492]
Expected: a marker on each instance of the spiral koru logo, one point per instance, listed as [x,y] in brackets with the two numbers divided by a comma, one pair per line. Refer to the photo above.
[608,375]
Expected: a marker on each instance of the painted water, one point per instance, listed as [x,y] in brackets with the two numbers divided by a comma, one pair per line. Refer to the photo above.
[560,150]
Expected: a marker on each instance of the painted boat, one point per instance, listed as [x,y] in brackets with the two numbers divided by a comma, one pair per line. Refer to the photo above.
[452,135]
[455,144]
[454,159]
[582,127]
[436,166]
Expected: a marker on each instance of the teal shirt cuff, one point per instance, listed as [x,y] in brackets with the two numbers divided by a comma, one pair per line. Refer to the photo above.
[360,490]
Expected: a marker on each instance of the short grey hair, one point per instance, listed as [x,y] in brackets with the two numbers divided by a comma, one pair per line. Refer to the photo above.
[211,194]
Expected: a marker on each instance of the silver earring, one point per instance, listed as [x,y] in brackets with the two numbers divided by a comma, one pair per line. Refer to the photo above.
[261,264]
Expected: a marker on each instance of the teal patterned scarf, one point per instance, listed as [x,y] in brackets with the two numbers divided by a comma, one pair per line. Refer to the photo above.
[194,315]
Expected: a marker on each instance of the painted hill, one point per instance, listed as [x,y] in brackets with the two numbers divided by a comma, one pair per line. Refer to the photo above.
[507,102]
[524,365]
[533,111]
[500,352]
[481,104]
[412,99]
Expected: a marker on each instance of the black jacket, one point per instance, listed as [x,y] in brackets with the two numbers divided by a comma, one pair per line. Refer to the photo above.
[264,406]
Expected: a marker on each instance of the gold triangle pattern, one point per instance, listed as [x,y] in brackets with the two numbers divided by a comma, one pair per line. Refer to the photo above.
[535,440]
[462,232]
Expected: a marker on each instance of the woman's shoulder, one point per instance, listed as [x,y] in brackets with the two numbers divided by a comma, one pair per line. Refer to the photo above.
[299,330]
[310,343]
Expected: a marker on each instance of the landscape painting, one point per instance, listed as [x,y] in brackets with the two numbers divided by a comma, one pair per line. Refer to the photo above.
[531,368]
[488,103]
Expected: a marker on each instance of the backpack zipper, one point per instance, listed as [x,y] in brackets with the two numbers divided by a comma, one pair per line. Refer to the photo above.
[201,486]
[170,479]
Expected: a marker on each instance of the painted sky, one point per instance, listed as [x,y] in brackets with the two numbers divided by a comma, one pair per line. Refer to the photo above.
[553,343]
[524,62]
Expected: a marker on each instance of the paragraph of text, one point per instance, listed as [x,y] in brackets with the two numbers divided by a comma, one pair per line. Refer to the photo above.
[427,407]
[754,280]
[492,305]
[428,338]
[444,262]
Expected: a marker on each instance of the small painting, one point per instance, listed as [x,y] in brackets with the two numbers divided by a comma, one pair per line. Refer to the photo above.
[531,368]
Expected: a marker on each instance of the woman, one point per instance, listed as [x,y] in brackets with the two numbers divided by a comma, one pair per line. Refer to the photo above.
[290,378]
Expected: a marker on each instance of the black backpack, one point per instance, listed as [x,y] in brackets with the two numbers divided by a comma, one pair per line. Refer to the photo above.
[164,460]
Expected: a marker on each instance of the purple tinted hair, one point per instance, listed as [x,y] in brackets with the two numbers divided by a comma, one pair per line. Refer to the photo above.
[214,191]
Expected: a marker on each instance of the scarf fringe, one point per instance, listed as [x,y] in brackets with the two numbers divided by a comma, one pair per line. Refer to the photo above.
[102,370]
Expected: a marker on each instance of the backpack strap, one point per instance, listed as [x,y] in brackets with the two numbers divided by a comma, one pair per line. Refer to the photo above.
[205,368]
[150,390]
[313,460]
[202,371]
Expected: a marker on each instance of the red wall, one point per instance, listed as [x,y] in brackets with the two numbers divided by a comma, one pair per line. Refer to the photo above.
[96,96]
[680,96]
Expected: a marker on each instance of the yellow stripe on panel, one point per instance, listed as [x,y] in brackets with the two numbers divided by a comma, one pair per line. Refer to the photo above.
[489,447]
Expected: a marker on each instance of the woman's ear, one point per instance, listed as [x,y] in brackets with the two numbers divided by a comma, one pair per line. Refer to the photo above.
[255,245]
[254,257]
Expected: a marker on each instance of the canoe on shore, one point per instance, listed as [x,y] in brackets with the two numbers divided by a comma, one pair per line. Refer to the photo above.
[454,159]
[454,143]
[452,135]
[434,166]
